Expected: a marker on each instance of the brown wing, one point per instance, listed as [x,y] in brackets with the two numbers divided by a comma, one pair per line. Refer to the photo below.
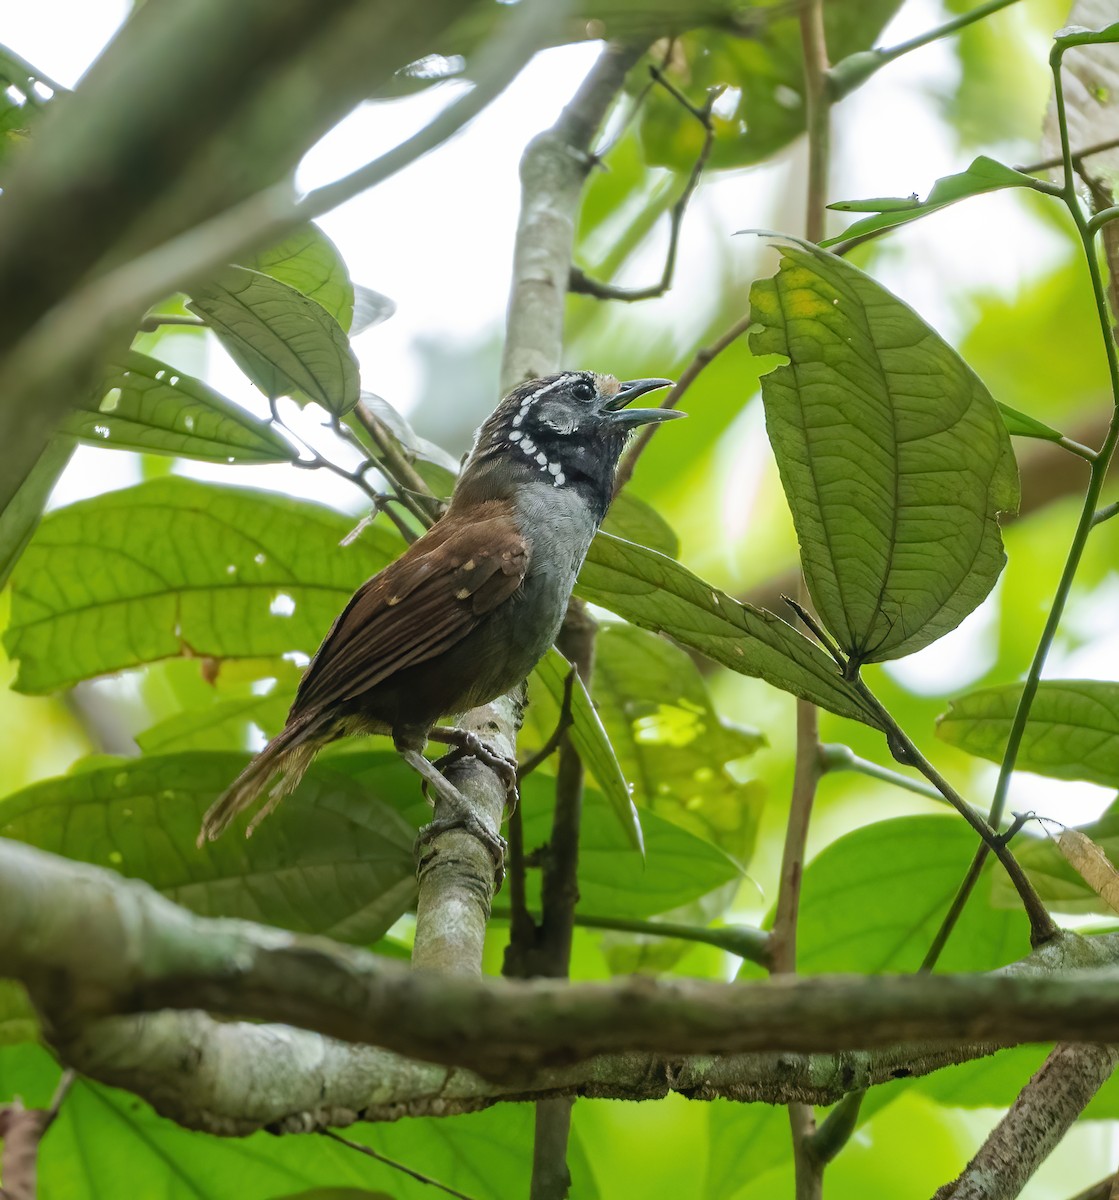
[418,606]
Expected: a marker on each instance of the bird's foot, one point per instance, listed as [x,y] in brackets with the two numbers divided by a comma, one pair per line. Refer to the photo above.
[464,819]
[457,813]
[469,745]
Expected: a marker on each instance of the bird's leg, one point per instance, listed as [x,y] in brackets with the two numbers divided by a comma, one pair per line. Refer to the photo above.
[469,745]
[459,814]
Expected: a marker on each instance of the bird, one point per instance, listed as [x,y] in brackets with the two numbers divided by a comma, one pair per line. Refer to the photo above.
[470,607]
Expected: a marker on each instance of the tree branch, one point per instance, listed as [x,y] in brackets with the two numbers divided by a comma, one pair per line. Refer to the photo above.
[88,944]
[1038,1120]
[553,171]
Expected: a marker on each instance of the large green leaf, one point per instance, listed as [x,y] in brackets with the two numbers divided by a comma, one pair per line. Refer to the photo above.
[893,456]
[103,1136]
[592,742]
[984,175]
[285,342]
[335,858]
[873,900]
[143,404]
[1072,731]
[635,521]
[308,261]
[176,567]
[657,593]
[670,740]
[223,725]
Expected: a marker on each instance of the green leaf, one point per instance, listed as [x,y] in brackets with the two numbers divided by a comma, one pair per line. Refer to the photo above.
[1072,731]
[591,741]
[670,740]
[143,404]
[872,901]
[657,593]
[763,71]
[103,1136]
[984,175]
[285,342]
[19,520]
[174,567]
[1020,424]
[309,261]
[18,1022]
[614,882]
[22,103]
[335,858]
[893,456]
[436,467]
[1076,35]
[224,725]
[631,519]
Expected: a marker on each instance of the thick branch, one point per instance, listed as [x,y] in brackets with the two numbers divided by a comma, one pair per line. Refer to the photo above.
[87,943]
[1035,1124]
[233,1078]
[456,876]
[553,171]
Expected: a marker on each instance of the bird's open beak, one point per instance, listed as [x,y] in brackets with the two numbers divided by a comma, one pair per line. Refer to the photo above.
[632,417]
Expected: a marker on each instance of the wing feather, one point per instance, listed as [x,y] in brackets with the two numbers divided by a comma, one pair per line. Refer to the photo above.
[419,606]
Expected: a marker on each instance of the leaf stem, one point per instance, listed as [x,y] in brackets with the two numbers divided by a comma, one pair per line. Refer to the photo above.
[853,71]
[1105,514]
[1088,517]
[1101,218]
[834,757]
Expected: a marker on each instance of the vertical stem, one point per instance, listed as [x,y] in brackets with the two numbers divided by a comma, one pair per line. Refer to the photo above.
[1098,473]
[553,172]
[808,768]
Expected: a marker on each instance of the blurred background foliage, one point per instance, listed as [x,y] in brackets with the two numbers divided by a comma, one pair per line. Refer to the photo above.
[709,751]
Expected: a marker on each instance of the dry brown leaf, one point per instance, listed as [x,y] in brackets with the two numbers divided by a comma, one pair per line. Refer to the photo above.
[1091,864]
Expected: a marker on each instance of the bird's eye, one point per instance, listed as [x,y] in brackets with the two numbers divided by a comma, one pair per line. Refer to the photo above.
[583,391]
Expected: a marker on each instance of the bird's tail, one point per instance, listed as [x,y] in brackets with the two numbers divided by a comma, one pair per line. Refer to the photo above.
[290,752]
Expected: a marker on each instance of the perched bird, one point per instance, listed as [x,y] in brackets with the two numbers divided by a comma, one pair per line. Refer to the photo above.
[470,607]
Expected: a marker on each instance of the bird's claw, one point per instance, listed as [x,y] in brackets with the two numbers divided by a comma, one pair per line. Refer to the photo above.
[466,820]
[470,745]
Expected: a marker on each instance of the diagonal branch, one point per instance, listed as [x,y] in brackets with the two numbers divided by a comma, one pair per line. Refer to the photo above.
[1038,1120]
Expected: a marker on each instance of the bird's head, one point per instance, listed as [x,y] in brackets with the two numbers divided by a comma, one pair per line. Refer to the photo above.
[566,431]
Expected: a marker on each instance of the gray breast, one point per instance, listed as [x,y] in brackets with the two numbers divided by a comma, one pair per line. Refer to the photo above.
[561,526]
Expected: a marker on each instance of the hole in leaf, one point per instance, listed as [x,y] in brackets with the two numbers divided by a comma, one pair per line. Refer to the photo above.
[282,605]
[297,658]
[110,400]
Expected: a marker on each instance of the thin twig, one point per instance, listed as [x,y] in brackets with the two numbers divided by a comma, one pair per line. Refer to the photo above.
[154,321]
[1105,514]
[703,358]
[1042,926]
[856,69]
[316,461]
[556,737]
[418,1176]
[413,492]
[584,285]
[1048,164]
